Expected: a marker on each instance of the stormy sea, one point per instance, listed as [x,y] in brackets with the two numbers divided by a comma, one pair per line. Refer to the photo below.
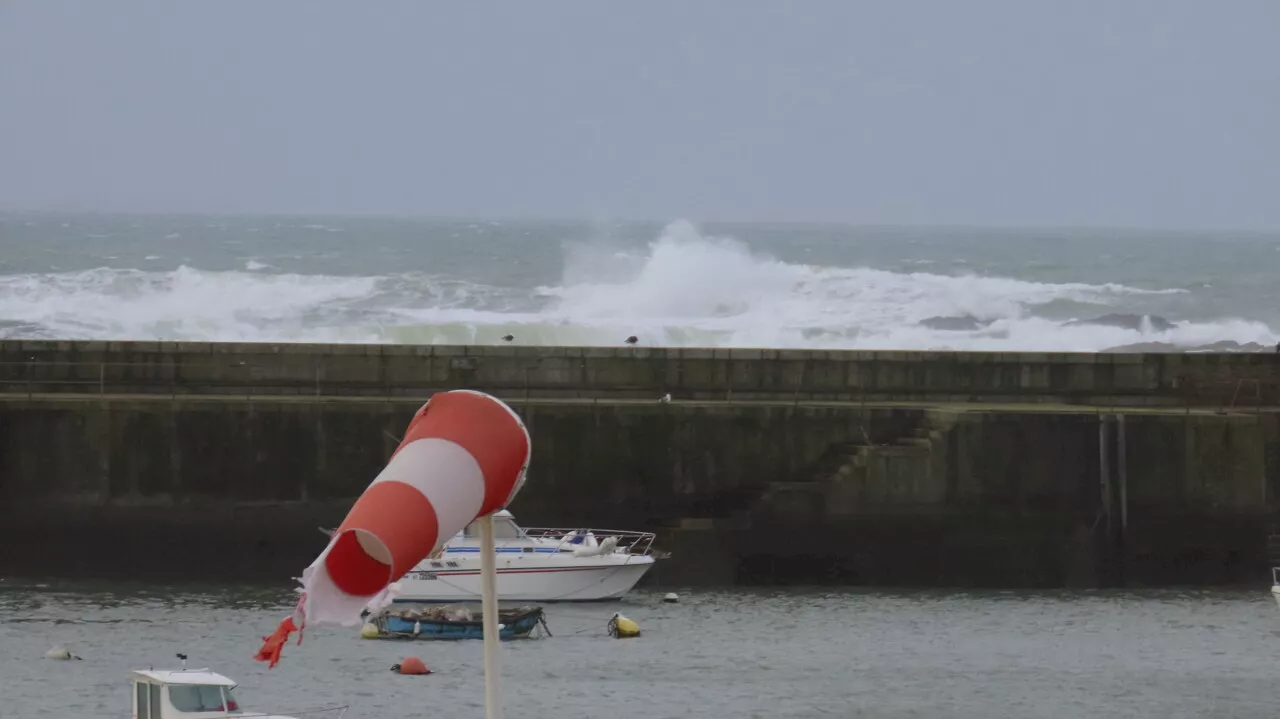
[595,282]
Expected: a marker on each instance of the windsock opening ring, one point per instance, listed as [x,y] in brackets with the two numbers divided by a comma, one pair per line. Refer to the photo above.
[359,563]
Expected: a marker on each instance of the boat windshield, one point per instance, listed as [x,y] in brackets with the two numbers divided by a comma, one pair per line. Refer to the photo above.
[503,528]
[202,698]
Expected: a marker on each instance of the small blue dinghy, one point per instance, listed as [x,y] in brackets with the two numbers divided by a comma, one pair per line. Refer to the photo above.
[450,621]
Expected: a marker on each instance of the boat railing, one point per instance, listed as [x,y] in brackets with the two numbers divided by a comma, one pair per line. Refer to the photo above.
[336,712]
[631,542]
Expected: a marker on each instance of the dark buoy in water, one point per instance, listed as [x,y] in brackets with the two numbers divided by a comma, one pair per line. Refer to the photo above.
[410,665]
[632,340]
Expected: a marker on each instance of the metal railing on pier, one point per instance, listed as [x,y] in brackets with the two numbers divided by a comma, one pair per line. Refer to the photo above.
[1229,395]
[370,381]
[359,377]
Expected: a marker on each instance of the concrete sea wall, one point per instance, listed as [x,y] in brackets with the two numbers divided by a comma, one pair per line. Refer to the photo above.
[639,372]
[226,488]
[219,462]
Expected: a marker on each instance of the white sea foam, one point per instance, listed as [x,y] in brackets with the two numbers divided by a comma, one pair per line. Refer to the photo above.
[685,289]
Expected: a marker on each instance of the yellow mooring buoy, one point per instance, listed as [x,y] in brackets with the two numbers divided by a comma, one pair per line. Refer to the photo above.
[622,628]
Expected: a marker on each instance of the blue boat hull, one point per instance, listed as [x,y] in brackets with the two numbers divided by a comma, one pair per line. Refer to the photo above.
[514,626]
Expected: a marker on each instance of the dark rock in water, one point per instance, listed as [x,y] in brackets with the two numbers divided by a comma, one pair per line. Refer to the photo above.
[14,329]
[823,333]
[967,323]
[1145,347]
[1128,322]
[1232,346]
[1223,346]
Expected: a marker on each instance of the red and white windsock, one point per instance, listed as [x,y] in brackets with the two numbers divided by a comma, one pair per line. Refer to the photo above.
[464,456]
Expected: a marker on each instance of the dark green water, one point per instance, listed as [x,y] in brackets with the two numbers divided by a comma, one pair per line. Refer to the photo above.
[729,654]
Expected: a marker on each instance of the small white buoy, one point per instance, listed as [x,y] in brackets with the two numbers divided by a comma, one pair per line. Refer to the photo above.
[671,598]
[369,631]
[59,652]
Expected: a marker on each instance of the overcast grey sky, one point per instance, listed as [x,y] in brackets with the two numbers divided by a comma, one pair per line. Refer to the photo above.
[1158,113]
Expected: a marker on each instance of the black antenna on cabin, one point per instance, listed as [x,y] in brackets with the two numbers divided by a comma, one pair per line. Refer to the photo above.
[183,658]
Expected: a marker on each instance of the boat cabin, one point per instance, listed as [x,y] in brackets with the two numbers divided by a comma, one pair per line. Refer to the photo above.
[504,527]
[188,693]
[510,537]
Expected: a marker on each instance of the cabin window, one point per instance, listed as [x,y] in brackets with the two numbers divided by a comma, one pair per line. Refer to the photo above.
[157,709]
[201,698]
[143,705]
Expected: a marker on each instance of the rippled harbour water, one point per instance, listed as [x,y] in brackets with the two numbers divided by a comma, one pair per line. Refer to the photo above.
[739,653]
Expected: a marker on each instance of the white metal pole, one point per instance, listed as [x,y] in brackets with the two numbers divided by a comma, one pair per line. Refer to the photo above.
[489,607]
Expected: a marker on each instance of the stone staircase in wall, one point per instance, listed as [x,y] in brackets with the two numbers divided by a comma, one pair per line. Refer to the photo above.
[1273,544]
[849,478]
[857,477]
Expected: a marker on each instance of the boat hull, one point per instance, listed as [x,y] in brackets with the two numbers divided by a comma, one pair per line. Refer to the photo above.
[517,624]
[580,582]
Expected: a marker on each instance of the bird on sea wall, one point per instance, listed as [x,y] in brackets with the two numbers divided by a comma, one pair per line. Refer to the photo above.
[508,338]
[632,340]
[665,398]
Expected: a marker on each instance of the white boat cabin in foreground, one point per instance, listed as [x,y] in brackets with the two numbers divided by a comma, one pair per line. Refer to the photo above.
[194,694]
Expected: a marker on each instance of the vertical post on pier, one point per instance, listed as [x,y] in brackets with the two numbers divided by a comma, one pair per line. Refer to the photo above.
[489,608]
[1104,470]
[1123,472]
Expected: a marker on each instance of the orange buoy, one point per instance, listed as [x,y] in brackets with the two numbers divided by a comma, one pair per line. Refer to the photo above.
[411,665]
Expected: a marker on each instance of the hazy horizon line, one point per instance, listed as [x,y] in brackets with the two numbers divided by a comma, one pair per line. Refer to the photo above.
[639,220]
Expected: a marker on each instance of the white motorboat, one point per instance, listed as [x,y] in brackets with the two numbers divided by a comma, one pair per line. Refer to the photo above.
[533,565]
[200,694]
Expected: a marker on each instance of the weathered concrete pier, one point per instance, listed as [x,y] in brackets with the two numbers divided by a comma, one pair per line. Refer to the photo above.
[218,461]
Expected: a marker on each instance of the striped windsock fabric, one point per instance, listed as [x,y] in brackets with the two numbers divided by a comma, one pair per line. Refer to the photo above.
[464,456]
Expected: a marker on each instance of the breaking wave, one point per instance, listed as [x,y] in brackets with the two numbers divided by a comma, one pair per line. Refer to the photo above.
[684,289]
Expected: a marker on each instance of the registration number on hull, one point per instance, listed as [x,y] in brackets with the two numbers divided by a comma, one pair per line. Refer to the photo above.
[432,575]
